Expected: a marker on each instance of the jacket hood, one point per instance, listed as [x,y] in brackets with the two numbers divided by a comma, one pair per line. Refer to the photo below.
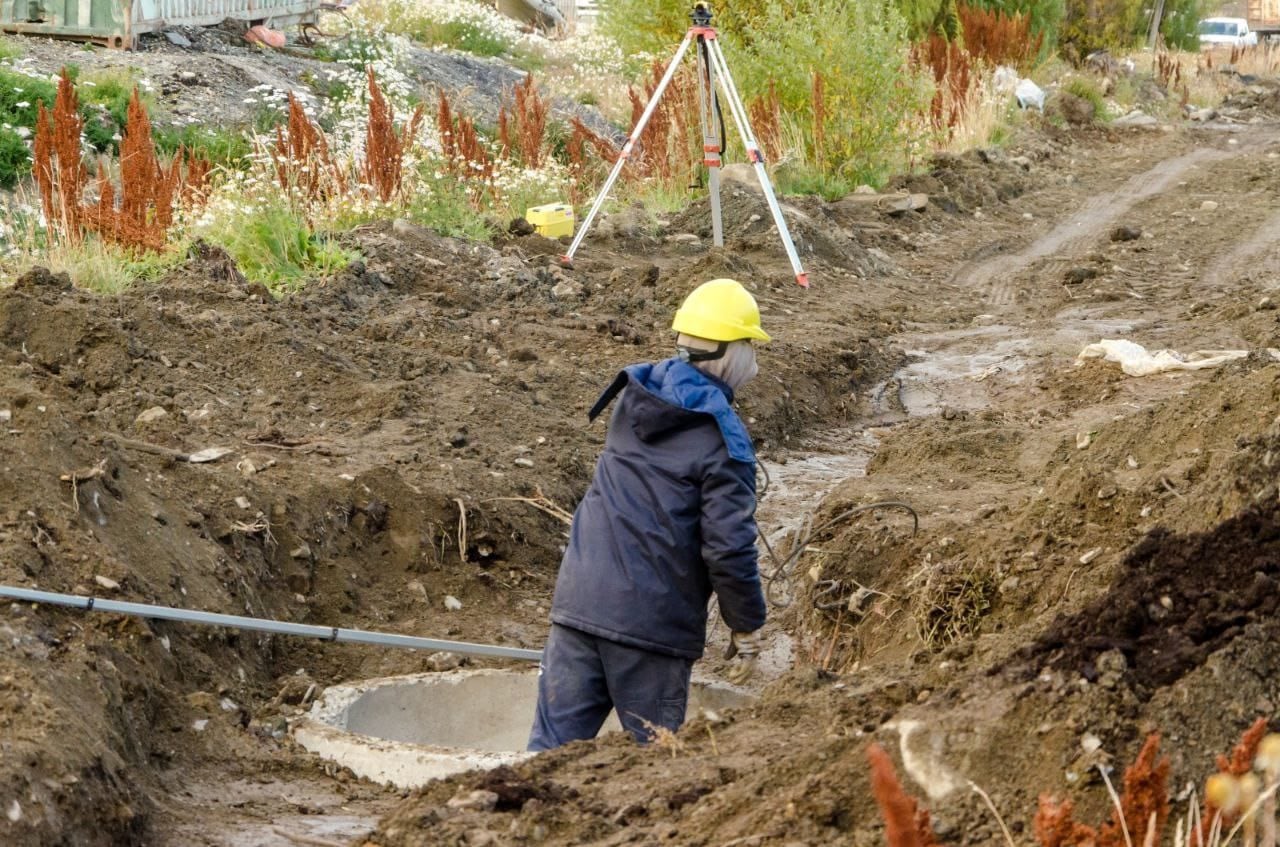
[671,392]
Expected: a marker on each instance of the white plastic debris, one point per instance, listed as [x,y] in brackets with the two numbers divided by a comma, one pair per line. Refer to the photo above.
[15,812]
[199,725]
[1134,359]
[106,582]
[452,603]
[209,454]
[1029,95]
[1005,79]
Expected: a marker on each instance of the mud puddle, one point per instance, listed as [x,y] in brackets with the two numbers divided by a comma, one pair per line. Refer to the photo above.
[217,812]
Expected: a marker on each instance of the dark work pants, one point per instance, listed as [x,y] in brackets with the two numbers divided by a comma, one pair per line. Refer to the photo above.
[584,676]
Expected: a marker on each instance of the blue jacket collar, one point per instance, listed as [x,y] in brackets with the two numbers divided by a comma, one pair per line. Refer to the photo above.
[684,386]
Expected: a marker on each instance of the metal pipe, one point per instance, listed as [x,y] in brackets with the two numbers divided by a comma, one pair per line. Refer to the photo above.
[301,630]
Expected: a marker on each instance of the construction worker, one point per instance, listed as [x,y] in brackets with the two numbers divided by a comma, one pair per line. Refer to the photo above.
[668,520]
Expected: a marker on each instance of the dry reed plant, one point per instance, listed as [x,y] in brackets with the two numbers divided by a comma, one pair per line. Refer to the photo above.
[522,131]
[56,149]
[664,150]
[765,114]
[385,148]
[1258,60]
[996,38]
[302,157]
[587,151]
[463,153]
[148,190]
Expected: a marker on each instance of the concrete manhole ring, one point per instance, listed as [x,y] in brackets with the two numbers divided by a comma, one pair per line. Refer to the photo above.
[409,730]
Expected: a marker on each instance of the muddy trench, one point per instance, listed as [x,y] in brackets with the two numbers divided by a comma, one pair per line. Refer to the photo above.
[407,447]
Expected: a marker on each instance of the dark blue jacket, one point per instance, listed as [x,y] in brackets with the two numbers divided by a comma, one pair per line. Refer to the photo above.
[669,518]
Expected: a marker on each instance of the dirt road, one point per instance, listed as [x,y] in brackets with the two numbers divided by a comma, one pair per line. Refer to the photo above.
[932,362]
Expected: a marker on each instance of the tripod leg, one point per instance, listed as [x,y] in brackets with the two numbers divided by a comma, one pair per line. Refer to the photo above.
[627,148]
[711,136]
[739,113]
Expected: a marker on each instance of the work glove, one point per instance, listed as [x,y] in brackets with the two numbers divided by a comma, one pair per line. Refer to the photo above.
[744,649]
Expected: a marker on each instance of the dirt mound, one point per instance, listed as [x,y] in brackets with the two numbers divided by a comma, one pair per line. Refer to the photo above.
[748,224]
[1176,600]
[970,181]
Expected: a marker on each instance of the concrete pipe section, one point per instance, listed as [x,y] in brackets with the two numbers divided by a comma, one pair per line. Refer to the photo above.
[409,730]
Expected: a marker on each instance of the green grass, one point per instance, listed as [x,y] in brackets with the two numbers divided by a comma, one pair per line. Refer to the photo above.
[104,101]
[9,48]
[20,98]
[226,147]
[15,159]
[276,247]
[1087,90]
[108,269]
[446,209]
[803,179]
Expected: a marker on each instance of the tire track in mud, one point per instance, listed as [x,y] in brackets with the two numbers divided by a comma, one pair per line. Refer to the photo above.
[1228,264]
[994,278]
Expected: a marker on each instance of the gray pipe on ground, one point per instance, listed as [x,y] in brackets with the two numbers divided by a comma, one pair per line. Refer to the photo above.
[301,630]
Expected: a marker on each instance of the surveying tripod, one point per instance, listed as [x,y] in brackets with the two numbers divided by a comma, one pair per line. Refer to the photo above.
[712,69]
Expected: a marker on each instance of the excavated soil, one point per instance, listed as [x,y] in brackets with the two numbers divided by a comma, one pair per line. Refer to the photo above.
[1096,553]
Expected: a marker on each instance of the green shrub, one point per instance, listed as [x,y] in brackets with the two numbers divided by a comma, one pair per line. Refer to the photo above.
[1046,16]
[104,103]
[20,96]
[871,90]
[1087,90]
[225,147]
[274,245]
[442,204]
[1180,25]
[15,158]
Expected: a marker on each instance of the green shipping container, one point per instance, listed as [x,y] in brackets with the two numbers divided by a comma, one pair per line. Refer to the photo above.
[118,23]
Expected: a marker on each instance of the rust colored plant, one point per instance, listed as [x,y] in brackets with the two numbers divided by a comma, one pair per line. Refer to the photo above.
[59,173]
[954,74]
[1145,798]
[522,131]
[302,158]
[148,190]
[1145,795]
[1168,70]
[463,153]
[1237,763]
[585,148]
[1240,761]
[766,119]
[997,38]
[1055,827]
[664,150]
[385,148]
[906,823]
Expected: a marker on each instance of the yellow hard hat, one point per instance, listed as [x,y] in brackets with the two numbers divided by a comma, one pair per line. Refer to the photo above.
[720,310]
